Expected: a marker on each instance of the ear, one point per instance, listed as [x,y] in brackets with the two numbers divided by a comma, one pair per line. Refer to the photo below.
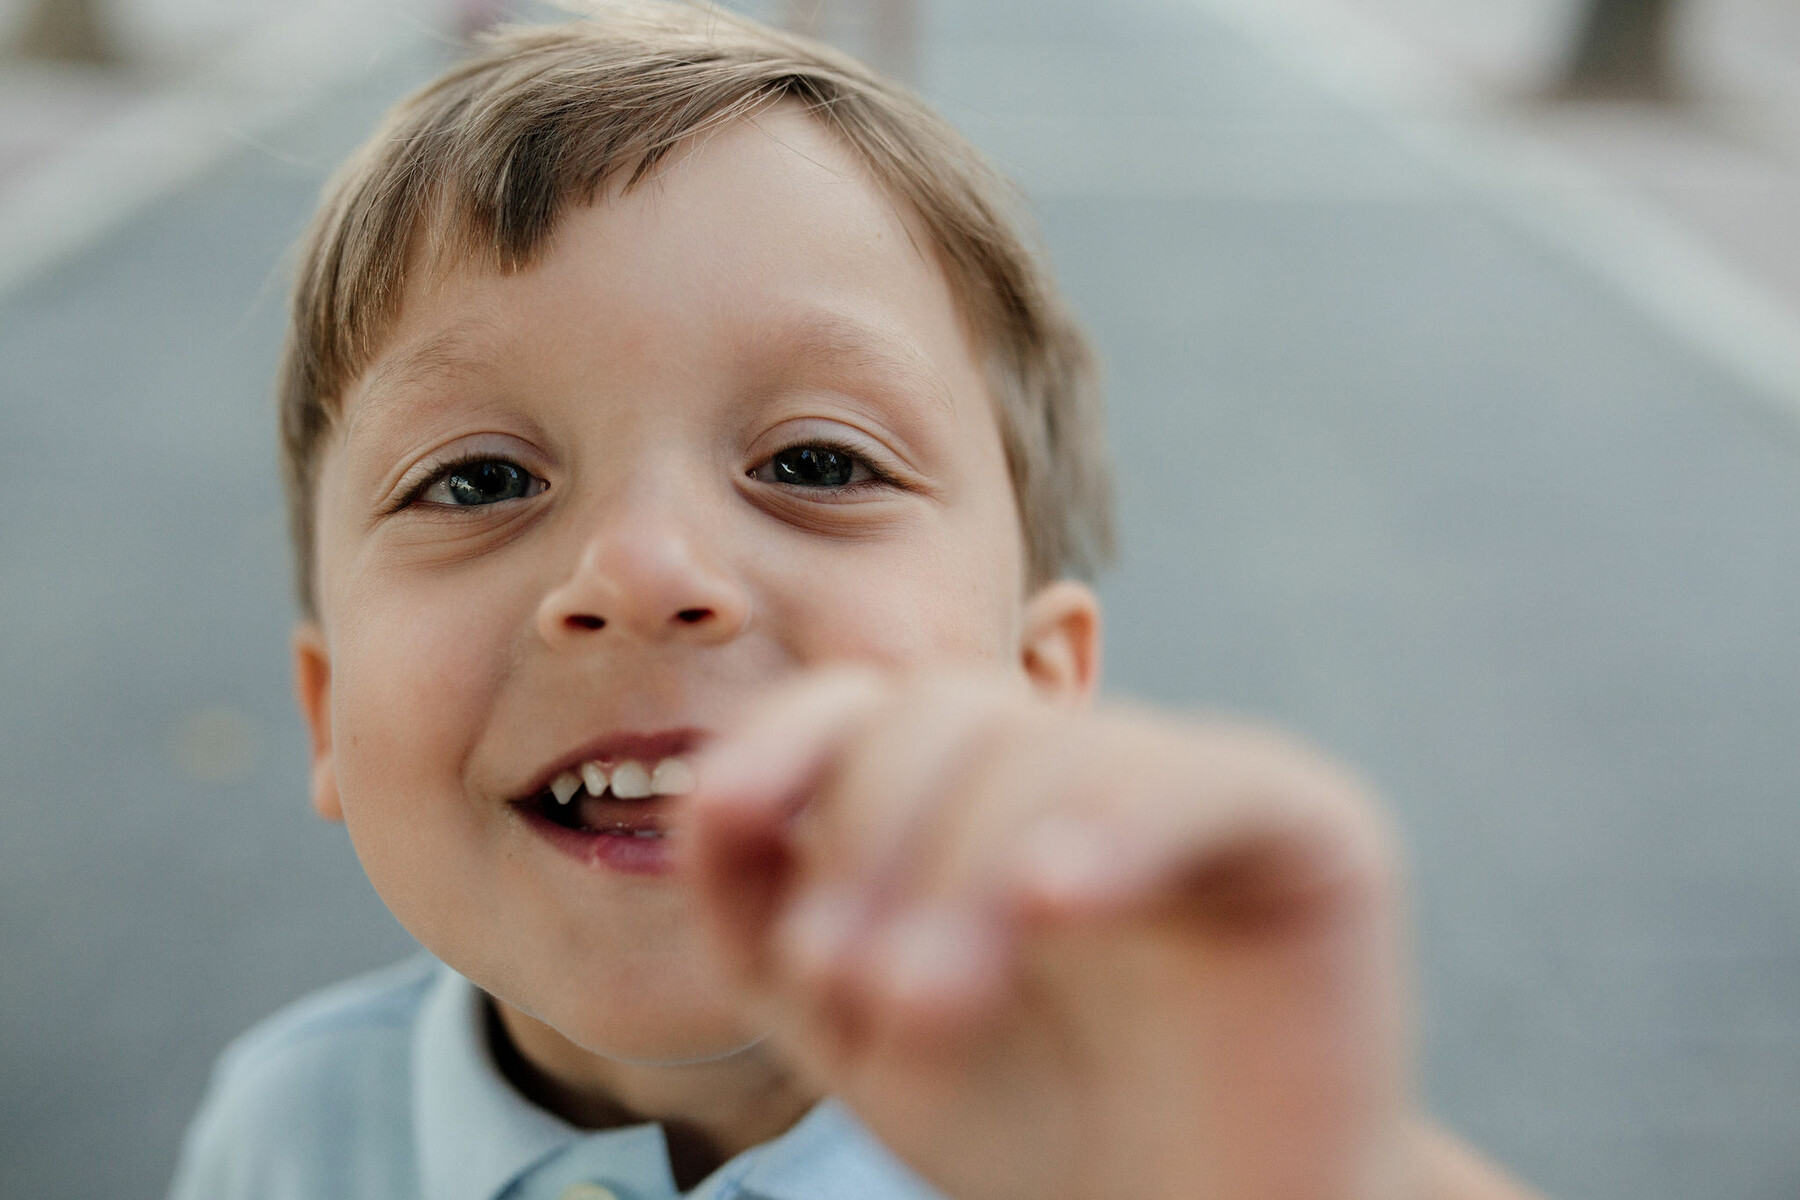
[1059,645]
[312,687]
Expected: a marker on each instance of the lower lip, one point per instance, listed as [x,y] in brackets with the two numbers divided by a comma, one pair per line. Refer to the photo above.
[619,852]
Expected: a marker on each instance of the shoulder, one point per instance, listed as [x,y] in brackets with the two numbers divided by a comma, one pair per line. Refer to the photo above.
[315,1101]
[384,1002]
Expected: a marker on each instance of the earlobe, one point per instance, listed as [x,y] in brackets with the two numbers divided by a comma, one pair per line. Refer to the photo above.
[1059,644]
[312,688]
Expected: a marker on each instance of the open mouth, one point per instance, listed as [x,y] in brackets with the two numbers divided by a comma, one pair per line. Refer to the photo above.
[625,798]
[612,802]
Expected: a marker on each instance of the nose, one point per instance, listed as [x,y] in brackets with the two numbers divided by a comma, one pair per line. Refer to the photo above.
[647,579]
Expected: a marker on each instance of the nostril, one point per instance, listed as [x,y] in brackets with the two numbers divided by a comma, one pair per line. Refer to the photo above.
[693,616]
[585,621]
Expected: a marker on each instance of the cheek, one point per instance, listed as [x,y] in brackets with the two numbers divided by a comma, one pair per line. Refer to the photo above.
[943,597]
[413,677]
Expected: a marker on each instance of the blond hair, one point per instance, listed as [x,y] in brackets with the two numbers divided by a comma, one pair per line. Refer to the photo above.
[479,165]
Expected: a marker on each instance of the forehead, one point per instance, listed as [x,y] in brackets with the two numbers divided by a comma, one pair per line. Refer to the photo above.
[767,235]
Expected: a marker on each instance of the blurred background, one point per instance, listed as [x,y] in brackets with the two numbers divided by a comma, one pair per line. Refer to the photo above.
[1456,399]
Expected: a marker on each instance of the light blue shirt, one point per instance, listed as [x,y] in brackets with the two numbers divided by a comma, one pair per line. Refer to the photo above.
[382,1088]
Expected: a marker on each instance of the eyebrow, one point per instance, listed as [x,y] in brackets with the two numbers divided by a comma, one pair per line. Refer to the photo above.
[458,350]
[827,338]
[836,339]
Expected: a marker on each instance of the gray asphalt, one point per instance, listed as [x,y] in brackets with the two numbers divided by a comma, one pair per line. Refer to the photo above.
[1394,473]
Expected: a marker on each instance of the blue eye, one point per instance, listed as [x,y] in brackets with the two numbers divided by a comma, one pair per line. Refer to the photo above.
[814,466]
[480,481]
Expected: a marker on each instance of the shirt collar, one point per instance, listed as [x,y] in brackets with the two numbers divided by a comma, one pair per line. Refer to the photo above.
[828,1154]
[476,1135]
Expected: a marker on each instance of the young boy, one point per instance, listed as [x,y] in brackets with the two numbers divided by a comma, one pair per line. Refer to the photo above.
[689,467]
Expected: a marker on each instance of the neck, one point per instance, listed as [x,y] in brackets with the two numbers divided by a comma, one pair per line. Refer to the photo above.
[710,1111]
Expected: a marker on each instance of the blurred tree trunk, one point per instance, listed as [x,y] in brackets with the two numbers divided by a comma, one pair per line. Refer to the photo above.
[64,31]
[1622,51]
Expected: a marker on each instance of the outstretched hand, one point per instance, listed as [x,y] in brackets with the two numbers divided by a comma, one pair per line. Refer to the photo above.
[1064,955]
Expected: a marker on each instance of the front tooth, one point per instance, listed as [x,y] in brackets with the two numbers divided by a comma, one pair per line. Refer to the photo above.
[594,775]
[630,781]
[564,786]
[672,777]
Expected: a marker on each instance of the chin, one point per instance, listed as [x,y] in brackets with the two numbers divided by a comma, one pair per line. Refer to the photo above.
[663,1049]
[626,1002]
[647,1030]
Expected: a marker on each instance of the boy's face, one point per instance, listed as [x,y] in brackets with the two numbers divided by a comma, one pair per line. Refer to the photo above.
[729,426]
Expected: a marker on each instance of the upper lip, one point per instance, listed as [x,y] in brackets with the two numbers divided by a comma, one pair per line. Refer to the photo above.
[644,747]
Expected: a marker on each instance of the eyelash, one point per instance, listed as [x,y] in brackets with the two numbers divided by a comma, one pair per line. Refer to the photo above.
[877,476]
[438,472]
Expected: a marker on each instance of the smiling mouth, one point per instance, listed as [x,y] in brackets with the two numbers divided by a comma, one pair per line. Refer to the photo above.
[625,799]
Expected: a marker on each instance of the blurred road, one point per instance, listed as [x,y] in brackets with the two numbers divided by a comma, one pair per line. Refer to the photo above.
[1394,472]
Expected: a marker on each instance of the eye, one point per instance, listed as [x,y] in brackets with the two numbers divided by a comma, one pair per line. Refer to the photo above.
[816,466]
[479,481]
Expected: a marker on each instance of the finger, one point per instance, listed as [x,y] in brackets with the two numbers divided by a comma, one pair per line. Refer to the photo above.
[741,866]
[904,802]
[1028,762]
[944,985]
[1241,822]
[739,852]
[938,972]
[944,956]
[783,743]
[949,959]
[889,805]
[807,815]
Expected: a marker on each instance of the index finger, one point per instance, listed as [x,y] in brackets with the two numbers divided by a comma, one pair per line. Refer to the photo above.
[766,763]
[751,784]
